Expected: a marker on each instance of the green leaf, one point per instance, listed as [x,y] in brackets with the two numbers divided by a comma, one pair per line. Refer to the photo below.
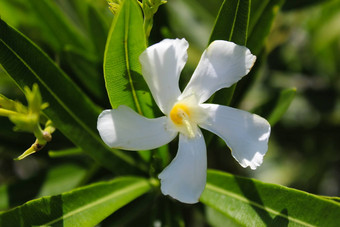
[87,71]
[262,15]
[136,213]
[283,102]
[61,179]
[86,206]
[98,30]
[261,19]
[253,203]
[232,22]
[52,181]
[124,82]
[122,70]
[57,26]
[4,198]
[232,25]
[72,112]
[217,219]
[276,106]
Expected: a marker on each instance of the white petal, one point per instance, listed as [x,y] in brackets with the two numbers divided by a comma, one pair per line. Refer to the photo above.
[222,64]
[185,177]
[162,64]
[246,134]
[125,129]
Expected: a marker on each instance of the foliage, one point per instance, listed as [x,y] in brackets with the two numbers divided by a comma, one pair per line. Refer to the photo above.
[80,58]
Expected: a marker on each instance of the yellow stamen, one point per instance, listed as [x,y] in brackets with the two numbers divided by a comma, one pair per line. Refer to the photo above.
[181,117]
[178,113]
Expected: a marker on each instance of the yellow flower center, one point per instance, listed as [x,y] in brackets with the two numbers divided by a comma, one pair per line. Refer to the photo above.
[181,116]
[178,113]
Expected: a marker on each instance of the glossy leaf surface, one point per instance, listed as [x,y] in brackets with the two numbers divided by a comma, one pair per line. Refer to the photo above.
[86,206]
[264,204]
[122,70]
[232,22]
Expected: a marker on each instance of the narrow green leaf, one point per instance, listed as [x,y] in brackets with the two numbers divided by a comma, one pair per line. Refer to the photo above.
[217,219]
[232,22]
[86,206]
[61,178]
[122,70]
[4,198]
[262,16]
[57,26]
[276,106]
[136,213]
[336,199]
[124,82]
[232,25]
[285,99]
[52,181]
[87,71]
[98,30]
[253,203]
[72,112]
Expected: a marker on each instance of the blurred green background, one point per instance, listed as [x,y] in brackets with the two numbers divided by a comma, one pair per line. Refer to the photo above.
[302,52]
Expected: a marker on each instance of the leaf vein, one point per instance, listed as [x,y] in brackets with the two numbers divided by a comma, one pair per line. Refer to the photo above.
[99,201]
[252,203]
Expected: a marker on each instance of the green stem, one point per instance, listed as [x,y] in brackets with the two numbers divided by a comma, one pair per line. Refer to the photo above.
[7,113]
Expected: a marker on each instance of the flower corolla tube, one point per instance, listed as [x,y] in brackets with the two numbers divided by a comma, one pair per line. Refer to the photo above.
[222,64]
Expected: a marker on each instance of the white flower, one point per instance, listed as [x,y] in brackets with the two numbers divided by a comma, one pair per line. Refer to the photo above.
[222,64]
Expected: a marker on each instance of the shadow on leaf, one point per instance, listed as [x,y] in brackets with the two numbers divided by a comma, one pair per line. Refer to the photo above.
[250,191]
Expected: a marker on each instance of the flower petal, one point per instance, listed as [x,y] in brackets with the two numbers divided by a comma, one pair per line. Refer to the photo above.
[222,64]
[246,134]
[162,64]
[185,177]
[125,129]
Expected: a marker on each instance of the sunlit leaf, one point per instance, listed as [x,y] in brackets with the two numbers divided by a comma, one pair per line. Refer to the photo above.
[253,203]
[61,179]
[122,70]
[86,206]
[217,219]
[72,112]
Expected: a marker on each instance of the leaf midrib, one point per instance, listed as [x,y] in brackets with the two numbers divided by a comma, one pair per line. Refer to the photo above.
[126,190]
[252,203]
[234,21]
[127,61]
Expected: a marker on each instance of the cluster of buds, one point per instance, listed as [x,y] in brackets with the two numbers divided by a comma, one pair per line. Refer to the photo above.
[114,5]
[28,118]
